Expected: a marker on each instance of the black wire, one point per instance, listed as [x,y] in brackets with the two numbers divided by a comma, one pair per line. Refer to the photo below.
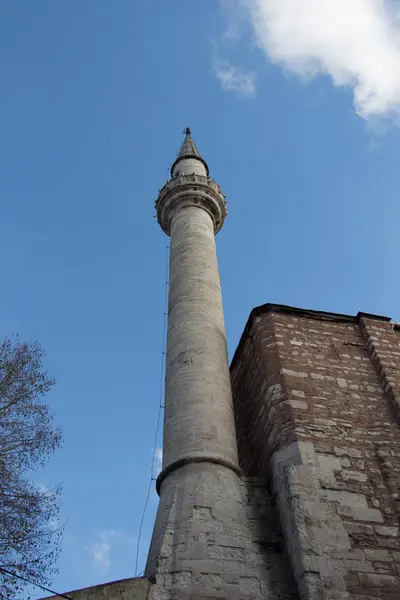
[158,417]
[146,502]
[33,583]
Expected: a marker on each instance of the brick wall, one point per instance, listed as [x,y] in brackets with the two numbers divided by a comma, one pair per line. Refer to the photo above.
[320,392]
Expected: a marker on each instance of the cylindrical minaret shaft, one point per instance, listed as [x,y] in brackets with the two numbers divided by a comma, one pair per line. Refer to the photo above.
[199,422]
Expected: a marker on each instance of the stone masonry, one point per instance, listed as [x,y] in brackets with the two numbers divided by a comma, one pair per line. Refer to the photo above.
[135,588]
[317,416]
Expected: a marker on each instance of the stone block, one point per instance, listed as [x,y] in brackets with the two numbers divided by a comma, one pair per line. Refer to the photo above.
[342,383]
[231,590]
[392,543]
[295,453]
[182,579]
[358,566]
[387,531]
[226,553]
[298,404]
[376,555]
[250,586]
[202,566]
[387,582]
[346,498]
[292,373]
[328,462]
[344,451]
[232,541]
[207,581]
[359,528]
[354,476]
[356,554]
[317,376]
[359,513]
[396,556]
[232,577]
[323,565]
[326,478]
[302,479]
[202,513]
[327,537]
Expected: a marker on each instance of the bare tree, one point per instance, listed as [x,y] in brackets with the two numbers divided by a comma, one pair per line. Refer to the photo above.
[29,536]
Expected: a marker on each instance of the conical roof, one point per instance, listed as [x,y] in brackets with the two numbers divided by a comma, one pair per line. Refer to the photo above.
[188,150]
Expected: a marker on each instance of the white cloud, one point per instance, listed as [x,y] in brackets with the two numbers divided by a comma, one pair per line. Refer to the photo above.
[107,544]
[100,551]
[355,42]
[158,454]
[235,80]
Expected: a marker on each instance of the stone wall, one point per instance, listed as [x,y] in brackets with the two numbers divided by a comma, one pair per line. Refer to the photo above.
[217,536]
[126,589]
[316,404]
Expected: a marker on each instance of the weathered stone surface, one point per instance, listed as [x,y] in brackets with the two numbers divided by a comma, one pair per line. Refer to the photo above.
[354,476]
[240,541]
[352,452]
[298,404]
[315,537]
[347,373]
[329,462]
[126,589]
[359,566]
[195,424]
[388,531]
[386,582]
[346,498]
[375,555]
[359,513]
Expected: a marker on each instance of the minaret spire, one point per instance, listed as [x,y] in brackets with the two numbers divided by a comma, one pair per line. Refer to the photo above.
[189,153]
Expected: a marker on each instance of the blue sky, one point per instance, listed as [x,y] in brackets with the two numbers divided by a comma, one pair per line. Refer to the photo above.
[95,97]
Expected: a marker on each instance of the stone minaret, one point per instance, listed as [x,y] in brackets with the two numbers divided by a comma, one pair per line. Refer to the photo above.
[201,530]
[200,462]
[199,424]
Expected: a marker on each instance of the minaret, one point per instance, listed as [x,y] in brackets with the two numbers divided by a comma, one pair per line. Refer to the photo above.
[198,424]
[199,484]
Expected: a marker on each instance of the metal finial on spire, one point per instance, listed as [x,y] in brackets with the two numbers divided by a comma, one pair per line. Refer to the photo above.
[187,131]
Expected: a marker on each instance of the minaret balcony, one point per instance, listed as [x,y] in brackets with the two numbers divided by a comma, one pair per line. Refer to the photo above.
[190,190]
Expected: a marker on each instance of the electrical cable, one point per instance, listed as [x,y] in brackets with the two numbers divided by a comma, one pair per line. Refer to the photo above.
[46,589]
[163,354]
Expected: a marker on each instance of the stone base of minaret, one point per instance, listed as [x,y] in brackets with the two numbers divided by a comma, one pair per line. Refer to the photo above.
[217,536]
